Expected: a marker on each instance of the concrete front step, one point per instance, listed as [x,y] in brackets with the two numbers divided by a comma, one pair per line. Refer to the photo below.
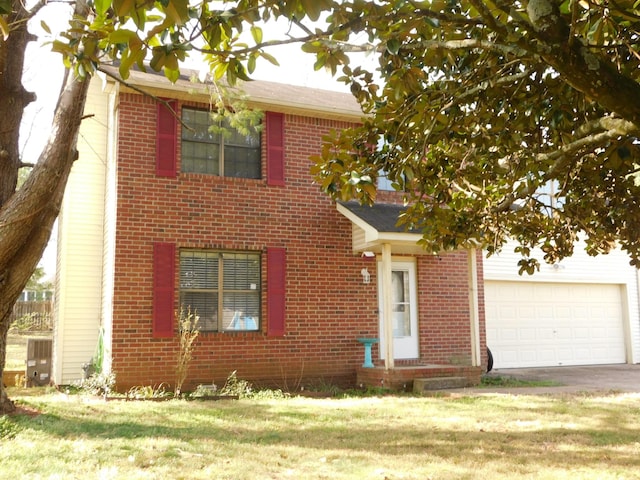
[439,383]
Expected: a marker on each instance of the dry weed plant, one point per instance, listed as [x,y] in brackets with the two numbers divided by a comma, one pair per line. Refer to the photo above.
[188,324]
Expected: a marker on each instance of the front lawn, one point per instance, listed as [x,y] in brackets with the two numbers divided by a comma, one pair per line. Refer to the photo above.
[490,436]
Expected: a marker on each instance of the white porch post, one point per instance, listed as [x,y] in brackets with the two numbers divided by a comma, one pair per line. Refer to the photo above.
[387,312]
[472,272]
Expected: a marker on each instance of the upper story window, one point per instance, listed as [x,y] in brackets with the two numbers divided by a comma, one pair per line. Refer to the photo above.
[384,183]
[228,154]
[550,197]
[221,288]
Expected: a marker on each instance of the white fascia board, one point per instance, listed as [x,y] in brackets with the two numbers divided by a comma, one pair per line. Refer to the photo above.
[370,233]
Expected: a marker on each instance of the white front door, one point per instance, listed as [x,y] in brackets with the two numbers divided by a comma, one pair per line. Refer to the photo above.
[404,308]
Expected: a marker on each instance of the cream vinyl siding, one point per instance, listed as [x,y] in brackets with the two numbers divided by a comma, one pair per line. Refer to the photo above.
[580,286]
[79,275]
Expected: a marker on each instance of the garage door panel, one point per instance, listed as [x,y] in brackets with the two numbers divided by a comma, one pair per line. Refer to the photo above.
[533,324]
[582,334]
[563,334]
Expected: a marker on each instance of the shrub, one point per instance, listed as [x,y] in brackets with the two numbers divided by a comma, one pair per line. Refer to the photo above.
[99,384]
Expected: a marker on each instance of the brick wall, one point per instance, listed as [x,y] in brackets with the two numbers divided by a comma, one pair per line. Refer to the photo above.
[327,305]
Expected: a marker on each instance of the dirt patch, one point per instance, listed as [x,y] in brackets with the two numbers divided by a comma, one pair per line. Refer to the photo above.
[24,410]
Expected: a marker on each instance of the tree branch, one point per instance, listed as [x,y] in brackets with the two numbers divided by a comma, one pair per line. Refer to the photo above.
[614,129]
[464,44]
[142,91]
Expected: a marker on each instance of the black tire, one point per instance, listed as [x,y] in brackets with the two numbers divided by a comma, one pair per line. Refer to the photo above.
[489,360]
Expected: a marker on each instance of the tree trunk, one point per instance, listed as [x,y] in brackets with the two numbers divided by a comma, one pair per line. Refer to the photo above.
[27,216]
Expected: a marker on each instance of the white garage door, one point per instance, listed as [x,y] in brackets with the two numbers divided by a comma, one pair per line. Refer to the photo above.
[532,324]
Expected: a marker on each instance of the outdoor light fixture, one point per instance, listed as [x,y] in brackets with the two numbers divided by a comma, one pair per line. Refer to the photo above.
[366,276]
[368,255]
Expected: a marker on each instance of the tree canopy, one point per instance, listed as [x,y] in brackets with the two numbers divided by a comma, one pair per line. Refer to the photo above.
[497,119]
[500,120]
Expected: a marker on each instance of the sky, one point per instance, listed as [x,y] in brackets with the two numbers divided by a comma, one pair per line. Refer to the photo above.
[44,71]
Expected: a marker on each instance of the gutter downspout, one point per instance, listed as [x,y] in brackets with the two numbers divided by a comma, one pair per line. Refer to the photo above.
[474,315]
[387,312]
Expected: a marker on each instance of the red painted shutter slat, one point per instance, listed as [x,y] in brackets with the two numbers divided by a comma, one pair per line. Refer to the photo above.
[276,285]
[166,140]
[164,258]
[275,148]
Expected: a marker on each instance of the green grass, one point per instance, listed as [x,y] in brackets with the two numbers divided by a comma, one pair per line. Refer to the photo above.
[498,381]
[393,437]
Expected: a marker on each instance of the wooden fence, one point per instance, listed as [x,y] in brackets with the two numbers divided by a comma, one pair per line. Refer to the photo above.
[32,316]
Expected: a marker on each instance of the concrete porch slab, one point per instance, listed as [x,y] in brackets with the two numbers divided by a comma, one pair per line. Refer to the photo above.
[402,378]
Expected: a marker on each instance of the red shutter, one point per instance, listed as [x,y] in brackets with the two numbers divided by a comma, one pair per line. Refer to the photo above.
[276,284]
[275,148]
[164,258]
[166,140]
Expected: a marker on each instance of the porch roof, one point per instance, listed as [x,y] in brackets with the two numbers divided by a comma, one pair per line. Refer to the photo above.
[373,226]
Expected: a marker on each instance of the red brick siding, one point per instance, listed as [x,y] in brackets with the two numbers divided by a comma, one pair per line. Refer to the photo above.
[327,305]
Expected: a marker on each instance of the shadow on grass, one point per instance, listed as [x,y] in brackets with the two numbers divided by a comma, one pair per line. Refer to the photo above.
[433,428]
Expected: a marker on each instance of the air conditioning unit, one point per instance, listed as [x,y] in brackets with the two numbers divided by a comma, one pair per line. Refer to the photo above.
[39,352]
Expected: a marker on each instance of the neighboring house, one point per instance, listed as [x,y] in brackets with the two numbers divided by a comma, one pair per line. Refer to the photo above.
[580,311]
[159,217]
[35,295]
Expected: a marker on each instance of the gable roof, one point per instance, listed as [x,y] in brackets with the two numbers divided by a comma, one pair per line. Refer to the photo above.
[278,97]
[373,226]
[381,216]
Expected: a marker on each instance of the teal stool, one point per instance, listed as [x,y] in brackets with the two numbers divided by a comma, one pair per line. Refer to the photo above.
[367,342]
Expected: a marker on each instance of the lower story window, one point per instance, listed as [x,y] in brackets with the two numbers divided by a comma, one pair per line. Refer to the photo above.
[221,288]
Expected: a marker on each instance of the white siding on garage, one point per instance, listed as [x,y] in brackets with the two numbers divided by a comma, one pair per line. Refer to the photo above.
[609,275]
[536,324]
[80,247]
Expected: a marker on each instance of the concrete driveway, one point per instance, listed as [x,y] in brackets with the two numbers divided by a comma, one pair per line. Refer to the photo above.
[592,378]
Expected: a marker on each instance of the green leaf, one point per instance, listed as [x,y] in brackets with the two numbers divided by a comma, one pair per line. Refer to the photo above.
[270,58]
[139,17]
[5,8]
[121,36]
[565,7]
[45,27]
[393,46]
[4,27]
[102,6]
[256,32]
[320,62]
[312,47]
[158,59]
[251,64]
[178,11]
[172,74]
[123,7]
[312,8]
